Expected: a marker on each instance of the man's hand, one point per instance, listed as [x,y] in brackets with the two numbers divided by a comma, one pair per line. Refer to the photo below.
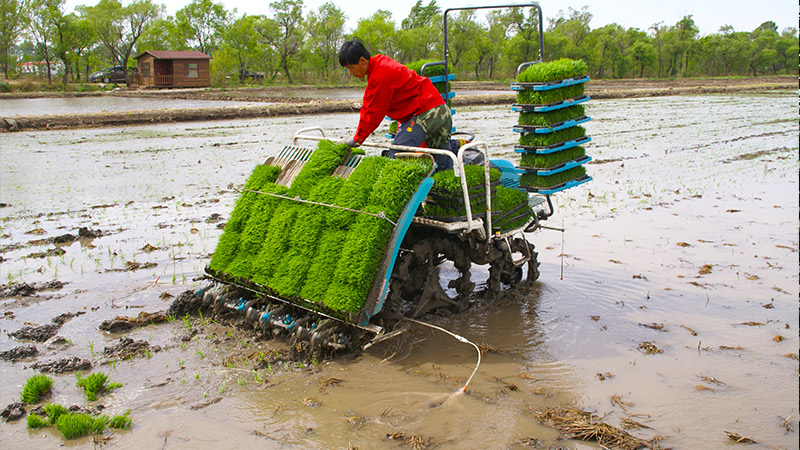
[350,142]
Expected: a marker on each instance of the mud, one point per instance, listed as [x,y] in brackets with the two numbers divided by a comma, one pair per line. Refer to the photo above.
[64,365]
[20,352]
[25,289]
[36,333]
[121,324]
[128,348]
[687,232]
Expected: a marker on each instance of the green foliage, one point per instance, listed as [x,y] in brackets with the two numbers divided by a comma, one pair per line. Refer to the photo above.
[545,119]
[546,161]
[533,180]
[553,71]
[96,383]
[544,140]
[35,387]
[54,411]
[532,97]
[446,197]
[36,421]
[322,266]
[73,425]
[121,421]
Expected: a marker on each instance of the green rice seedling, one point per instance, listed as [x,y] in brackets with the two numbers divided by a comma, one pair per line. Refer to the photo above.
[545,119]
[73,425]
[304,239]
[54,411]
[121,421]
[96,383]
[322,266]
[532,97]
[35,387]
[547,139]
[553,71]
[546,161]
[355,192]
[276,243]
[538,181]
[252,236]
[36,421]
[325,159]
[446,183]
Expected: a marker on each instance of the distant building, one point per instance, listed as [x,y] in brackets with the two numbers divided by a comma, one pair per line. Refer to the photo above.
[39,68]
[167,69]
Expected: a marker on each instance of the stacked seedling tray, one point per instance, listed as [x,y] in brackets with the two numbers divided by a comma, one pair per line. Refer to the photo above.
[549,100]
[445,202]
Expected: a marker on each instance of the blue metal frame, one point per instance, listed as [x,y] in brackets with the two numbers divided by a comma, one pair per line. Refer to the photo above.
[553,149]
[548,85]
[397,238]
[535,129]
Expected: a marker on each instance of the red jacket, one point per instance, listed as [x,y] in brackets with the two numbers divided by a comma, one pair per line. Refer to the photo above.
[396,91]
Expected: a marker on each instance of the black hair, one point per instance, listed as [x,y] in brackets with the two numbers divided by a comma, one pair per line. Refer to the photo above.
[352,51]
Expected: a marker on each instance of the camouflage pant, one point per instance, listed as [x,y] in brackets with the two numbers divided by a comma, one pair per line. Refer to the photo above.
[436,124]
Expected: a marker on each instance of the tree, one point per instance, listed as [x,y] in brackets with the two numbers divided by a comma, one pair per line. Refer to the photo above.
[241,41]
[119,28]
[42,33]
[420,16]
[325,31]
[12,20]
[160,34]
[202,23]
[378,33]
[288,38]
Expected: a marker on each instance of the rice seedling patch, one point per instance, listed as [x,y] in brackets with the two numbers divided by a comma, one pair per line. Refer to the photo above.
[35,387]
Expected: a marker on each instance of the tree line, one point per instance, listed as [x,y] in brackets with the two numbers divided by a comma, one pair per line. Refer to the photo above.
[289,45]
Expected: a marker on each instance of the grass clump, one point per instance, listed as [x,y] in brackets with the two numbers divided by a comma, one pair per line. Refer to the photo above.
[546,161]
[72,425]
[121,421]
[553,71]
[538,181]
[54,411]
[96,383]
[548,139]
[36,421]
[35,387]
[546,119]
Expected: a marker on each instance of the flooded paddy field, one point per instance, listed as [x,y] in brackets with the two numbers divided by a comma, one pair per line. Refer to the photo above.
[95,104]
[668,307]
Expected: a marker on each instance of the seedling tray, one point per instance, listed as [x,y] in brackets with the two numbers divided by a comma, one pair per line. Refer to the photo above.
[548,85]
[557,168]
[522,107]
[558,187]
[538,129]
[552,148]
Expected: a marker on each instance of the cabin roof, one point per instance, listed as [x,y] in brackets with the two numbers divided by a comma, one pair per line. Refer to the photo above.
[179,54]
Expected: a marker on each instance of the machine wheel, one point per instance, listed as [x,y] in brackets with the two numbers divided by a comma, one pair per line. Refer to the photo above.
[417,287]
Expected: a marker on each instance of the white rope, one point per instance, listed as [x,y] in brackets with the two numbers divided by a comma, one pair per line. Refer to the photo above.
[464,340]
[380,215]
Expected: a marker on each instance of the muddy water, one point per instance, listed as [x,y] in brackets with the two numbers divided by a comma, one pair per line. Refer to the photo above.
[686,239]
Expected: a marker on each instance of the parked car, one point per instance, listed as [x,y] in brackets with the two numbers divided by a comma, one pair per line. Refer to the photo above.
[113,74]
[255,76]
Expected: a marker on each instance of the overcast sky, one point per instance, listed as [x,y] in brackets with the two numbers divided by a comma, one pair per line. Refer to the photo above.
[709,15]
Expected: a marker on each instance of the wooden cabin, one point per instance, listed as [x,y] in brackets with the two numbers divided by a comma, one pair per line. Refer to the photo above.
[173,69]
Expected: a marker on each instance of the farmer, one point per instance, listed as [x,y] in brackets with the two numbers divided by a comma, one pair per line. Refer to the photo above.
[398,92]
